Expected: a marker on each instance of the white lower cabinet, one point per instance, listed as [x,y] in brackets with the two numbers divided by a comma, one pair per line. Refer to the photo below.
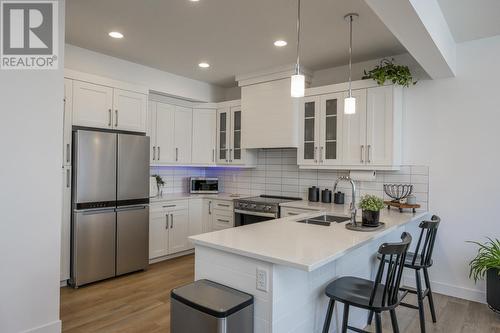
[168,228]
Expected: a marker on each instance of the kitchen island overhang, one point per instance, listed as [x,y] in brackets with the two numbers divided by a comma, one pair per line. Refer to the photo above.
[298,261]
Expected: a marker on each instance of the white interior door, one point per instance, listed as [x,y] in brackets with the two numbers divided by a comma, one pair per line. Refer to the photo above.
[183,134]
[309,131]
[130,110]
[379,126]
[223,135]
[68,108]
[204,136]
[158,233]
[354,131]
[92,105]
[179,231]
[330,133]
[165,150]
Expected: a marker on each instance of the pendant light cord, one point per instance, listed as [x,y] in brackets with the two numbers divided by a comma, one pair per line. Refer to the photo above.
[297,69]
[350,54]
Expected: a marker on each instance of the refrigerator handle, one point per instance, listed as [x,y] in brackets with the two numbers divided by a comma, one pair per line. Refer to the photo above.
[171,221]
[94,211]
[126,208]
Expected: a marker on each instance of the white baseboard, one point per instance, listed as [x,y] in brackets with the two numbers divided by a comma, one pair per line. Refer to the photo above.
[171,256]
[451,290]
[53,327]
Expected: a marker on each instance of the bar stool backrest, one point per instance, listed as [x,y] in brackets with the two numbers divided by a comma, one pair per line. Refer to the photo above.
[423,252]
[393,255]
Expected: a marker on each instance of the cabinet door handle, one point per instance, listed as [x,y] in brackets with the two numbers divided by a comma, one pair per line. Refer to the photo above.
[67,152]
[210,208]
[158,153]
[169,206]
[227,155]
[213,155]
[176,154]
[231,155]
[109,120]
[154,153]
[171,221]
[67,178]
[292,214]
[321,154]
[166,220]
[368,154]
[116,118]
[362,153]
[315,154]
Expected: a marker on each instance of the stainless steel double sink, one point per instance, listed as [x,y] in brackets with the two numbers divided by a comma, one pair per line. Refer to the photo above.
[324,220]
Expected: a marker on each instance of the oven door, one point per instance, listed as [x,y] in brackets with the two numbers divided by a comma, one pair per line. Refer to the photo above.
[243,217]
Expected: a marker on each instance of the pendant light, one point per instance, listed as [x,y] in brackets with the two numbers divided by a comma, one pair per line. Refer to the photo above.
[298,80]
[350,102]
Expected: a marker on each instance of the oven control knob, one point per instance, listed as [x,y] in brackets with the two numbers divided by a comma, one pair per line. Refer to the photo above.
[268,207]
[253,206]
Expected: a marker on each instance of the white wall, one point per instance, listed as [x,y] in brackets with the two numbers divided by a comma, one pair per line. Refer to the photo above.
[160,81]
[452,125]
[31,108]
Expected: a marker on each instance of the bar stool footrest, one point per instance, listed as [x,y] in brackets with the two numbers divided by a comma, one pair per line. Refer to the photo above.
[409,305]
[355,329]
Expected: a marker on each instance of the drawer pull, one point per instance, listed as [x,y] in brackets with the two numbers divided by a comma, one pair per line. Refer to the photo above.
[169,206]
[225,221]
[291,214]
[222,205]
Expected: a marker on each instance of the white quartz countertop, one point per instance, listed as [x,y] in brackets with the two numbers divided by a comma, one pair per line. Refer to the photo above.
[303,246]
[318,206]
[181,196]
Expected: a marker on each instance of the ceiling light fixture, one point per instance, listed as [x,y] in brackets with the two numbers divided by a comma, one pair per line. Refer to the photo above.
[204,64]
[350,102]
[298,80]
[116,34]
[280,43]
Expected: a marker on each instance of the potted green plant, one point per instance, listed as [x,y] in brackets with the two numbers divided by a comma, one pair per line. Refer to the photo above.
[371,206]
[389,71]
[487,263]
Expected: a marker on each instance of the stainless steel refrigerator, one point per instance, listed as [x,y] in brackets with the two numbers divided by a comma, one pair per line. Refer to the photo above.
[110,201]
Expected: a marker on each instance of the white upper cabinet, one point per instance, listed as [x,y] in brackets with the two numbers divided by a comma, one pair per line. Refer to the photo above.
[130,111]
[101,106]
[370,139]
[204,136]
[183,123]
[67,120]
[92,105]
[223,135]
[229,145]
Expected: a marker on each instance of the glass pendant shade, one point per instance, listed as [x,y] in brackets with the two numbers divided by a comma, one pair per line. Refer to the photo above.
[298,85]
[350,105]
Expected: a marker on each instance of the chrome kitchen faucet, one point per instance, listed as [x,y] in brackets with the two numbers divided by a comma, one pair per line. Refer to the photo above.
[353,202]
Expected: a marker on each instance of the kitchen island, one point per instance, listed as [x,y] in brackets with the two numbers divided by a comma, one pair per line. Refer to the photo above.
[286,265]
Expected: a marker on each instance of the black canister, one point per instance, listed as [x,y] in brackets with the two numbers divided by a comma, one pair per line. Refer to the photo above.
[326,196]
[313,194]
[338,198]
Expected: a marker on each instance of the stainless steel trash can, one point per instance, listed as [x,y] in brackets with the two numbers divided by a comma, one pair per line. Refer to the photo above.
[208,307]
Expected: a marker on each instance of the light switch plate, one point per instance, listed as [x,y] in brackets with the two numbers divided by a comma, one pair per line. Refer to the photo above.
[262,282]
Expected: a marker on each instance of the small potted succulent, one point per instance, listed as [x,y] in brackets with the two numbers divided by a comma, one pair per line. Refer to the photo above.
[371,206]
[487,263]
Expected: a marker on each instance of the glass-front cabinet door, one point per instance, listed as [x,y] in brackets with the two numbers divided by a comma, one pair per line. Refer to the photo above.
[309,134]
[235,151]
[223,129]
[330,148]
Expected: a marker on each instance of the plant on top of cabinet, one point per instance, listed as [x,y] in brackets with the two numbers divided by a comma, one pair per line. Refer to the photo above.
[387,70]
[487,262]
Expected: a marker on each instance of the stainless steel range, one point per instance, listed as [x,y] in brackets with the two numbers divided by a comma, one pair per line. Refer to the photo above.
[258,209]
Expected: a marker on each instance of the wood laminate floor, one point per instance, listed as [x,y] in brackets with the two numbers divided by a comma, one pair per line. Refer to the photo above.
[140,302]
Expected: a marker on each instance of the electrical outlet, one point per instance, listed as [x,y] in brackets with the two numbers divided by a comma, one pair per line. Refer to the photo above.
[262,283]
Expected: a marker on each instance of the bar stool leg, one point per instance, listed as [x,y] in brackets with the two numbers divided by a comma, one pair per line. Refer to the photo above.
[370,318]
[431,300]
[420,301]
[328,319]
[345,320]
[394,321]
[378,323]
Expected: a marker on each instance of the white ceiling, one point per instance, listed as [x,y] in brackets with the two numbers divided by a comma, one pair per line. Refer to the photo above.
[472,19]
[234,36]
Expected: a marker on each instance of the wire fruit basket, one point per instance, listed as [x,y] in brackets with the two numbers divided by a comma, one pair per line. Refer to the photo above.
[398,192]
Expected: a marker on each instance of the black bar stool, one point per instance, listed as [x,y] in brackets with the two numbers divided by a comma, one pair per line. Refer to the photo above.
[372,295]
[421,259]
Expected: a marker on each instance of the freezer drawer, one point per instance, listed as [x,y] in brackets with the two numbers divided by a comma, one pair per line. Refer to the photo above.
[132,237]
[93,246]
[133,167]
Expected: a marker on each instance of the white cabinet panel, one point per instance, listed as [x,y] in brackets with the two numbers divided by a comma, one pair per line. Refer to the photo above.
[165,138]
[196,217]
[309,131]
[330,129]
[92,105]
[158,233]
[183,134]
[151,131]
[354,132]
[67,121]
[179,231]
[204,136]
[223,135]
[130,110]
[66,224]
[379,126]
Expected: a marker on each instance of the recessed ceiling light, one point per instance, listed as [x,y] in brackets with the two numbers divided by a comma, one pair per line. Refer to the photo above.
[194,0]
[116,34]
[204,65]
[280,43]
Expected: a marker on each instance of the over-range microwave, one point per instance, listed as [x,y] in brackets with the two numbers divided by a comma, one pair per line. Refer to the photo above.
[203,185]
